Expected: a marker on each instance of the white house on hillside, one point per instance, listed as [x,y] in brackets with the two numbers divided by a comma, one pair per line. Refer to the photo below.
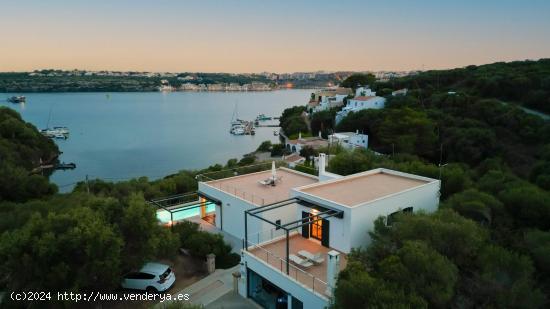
[359,103]
[296,145]
[349,140]
[364,92]
[328,98]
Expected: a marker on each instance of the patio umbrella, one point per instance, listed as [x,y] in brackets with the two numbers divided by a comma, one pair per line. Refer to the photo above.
[273,171]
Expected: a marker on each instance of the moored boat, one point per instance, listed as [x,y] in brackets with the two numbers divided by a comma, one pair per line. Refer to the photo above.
[65,166]
[17,99]
[56,132]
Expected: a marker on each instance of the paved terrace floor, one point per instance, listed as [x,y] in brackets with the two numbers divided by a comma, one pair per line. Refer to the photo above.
[297,243]
[248,186]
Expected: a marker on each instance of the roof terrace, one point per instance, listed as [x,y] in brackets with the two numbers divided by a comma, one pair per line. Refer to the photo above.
[250,188]
[365,187]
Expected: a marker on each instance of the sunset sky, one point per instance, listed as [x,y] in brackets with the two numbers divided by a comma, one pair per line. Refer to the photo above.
[276,36]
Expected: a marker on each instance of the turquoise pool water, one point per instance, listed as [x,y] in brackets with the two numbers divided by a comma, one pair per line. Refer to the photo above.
[188,211]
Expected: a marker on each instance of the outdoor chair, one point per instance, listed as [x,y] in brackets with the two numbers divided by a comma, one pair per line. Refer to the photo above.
[299,261]
[314,258]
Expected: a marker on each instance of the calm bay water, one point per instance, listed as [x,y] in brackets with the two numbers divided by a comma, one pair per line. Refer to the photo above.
[116,136]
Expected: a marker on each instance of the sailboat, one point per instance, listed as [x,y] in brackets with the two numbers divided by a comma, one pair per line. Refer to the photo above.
[55,132]
[237,126]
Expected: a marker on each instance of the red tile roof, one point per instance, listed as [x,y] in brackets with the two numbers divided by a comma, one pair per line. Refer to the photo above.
[363,98]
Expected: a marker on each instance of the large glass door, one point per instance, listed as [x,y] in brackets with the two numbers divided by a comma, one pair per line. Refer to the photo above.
[316,228]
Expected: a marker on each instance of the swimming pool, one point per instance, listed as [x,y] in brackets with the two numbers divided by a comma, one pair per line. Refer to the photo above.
[189,211]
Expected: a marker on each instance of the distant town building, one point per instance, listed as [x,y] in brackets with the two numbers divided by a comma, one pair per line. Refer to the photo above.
[294,159]
[328,98]
[296,145]
[364,98]
[349,140]
[165,86]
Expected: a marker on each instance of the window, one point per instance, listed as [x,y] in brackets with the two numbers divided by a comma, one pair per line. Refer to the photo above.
[132,276]
[278,222]
[139,276]
[317,228]
[146,276]
[390,219]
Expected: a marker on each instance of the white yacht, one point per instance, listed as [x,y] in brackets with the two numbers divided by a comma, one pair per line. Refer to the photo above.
[237,130]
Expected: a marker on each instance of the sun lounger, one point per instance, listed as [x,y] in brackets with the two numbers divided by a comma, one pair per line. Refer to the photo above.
[299,261]
[266,182]
[314,258]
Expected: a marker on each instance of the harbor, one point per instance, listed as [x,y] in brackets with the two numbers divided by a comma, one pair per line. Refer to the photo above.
[120,136]
[245,127]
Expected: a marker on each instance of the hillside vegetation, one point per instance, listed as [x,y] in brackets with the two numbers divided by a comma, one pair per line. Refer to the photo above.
[22,148]
[522,82]
[487,245]
[88,239]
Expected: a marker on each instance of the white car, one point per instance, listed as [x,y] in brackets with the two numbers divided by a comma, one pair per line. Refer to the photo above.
[152,277]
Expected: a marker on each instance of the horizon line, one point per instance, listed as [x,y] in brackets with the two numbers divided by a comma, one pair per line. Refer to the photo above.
[260,72]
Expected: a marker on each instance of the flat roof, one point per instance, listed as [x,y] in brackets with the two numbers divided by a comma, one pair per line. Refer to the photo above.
[358,189]
[248,186]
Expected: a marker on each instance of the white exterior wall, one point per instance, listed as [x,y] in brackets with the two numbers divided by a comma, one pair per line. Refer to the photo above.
[339,232]
[231,218]
[232,212]
[352,231]
[358,140]
[357,105]
[425,197]
[309,299]
[350,140]
[375,103]
[328,176]
[364,91]
[297,147]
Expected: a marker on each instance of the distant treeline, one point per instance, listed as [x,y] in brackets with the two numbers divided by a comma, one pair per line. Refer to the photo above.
[63,81]
[523,82]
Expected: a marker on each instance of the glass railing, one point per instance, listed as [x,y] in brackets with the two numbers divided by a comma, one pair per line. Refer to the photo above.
[255,248]
[238,170]
[211,177]
[174,200]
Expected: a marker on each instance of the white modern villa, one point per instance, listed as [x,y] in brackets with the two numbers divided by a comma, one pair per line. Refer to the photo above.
[297,229]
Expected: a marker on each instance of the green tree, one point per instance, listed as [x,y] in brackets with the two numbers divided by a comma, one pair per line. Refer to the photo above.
[505,279]
[529,205]
[356,288]
[265,146]
[355,81]
[143,236]
[72,251]
[422,270]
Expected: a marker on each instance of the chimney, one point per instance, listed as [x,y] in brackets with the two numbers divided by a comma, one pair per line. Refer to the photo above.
[333,269]
[320,134]
[322,163]
[357,131]
[300,136]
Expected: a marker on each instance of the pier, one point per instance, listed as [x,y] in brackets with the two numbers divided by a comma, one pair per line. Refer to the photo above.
[249,128]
